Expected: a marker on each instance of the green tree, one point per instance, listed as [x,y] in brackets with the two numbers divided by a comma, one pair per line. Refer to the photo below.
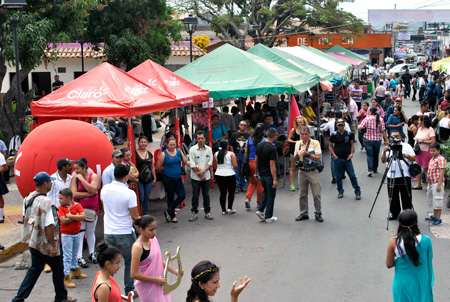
[134,31]
[43,22]
[231,19]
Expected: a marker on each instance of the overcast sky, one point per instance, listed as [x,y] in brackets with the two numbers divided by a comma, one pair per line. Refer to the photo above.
[360,7]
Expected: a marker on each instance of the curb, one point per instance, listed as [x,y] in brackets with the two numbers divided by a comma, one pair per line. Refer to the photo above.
[12,251]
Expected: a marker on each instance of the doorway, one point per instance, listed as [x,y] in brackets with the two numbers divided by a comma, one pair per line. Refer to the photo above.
[41,82]
[25,86]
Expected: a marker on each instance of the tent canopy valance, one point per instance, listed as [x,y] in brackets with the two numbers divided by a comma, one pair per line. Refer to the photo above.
[230,72]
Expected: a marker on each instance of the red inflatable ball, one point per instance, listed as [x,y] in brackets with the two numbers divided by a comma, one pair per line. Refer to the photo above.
[46,144]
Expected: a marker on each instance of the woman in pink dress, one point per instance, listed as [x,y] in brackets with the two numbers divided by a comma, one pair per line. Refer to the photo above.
[147,264]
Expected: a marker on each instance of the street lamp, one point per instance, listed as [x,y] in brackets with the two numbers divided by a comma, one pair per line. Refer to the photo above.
[287,32]
[191,25]
[254,28]
[79,39]
[311,36]
[14,21]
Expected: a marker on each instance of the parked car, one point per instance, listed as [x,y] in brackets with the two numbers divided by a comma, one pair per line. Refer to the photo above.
[401,68]
[368,70]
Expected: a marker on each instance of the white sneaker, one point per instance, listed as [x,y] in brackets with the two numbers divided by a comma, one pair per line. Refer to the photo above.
[370,174]
[271,219]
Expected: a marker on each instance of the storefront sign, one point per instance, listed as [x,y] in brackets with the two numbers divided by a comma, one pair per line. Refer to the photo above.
[404,36]
[327,41]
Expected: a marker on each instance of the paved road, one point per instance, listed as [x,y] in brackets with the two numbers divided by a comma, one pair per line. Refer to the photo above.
[341,259]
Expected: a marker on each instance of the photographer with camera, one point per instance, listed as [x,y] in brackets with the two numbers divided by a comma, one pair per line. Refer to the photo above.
[342,148]
[396,185]
[307,155]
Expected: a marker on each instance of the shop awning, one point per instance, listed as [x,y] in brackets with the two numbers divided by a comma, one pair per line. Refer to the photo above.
[357,64]
[321,61]
[103,91]
[437,65]
[230,72]
[340,49]
[286,60]
[156,76]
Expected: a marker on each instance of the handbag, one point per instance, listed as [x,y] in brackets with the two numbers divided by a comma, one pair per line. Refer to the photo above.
[414,168]
[245,169]
[90,215]
[146,174]
[417,150]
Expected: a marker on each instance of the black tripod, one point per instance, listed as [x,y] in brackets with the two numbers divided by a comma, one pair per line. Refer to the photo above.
[394,156]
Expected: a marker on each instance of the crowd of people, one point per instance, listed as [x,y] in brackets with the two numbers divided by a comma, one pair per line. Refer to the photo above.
[244,149]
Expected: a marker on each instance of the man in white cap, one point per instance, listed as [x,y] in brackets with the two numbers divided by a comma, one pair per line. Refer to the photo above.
[108,173]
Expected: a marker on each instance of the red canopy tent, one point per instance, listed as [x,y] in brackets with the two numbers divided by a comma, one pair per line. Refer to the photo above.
[185,92]
[103,91]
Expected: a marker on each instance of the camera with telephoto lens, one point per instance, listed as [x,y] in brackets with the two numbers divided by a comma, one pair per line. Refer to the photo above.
[395,146]
[299,164]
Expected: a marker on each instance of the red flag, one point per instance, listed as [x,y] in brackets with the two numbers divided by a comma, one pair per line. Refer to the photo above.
[294,112]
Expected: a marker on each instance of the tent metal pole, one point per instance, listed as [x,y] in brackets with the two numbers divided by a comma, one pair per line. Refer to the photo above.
[318,114]
[289,118]
[132,147]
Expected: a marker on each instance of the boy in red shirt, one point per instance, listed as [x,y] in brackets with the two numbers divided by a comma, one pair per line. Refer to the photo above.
[436,183]
[70,214]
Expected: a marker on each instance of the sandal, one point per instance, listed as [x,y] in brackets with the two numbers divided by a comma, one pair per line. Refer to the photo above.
[174,221]
[167,216]
[417,188]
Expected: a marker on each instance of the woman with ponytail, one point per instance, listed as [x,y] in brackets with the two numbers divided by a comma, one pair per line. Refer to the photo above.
[205,279]
[147,264]
[374,128]
[105,288]
[84,186]
[225,163]
[411,254]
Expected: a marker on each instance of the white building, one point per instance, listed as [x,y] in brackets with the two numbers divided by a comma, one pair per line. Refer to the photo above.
[68,66]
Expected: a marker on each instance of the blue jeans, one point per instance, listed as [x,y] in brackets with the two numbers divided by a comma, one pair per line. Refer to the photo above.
[373,154]
[240,180]
[360,138]
[172,186]
[407,90]
[204,186]
[333,167]
[124,244]
[342,166]
[144,196]
[38,261]
[70,245]
[268,197]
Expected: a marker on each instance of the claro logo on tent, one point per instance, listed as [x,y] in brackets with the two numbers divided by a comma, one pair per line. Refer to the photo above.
[80,94]
[138,89]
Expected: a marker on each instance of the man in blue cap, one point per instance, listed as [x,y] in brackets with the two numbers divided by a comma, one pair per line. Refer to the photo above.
[41,232]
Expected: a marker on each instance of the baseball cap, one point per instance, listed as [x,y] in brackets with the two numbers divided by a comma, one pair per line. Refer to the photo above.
[117,153]
[42,177]
[63,162]
[387,93]
[340,122]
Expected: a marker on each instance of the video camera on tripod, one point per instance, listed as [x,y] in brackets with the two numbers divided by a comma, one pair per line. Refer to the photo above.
[395,147]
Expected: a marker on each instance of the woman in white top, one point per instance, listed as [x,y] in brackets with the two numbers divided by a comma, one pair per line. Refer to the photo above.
[225,163]
[444,127]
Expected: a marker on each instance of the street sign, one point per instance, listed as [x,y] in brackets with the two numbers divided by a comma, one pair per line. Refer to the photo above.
[400,27]
[404,36]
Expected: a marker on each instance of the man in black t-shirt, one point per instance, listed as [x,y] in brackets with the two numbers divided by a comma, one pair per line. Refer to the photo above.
[342,148]
[266,166]
[237,145]
[406,79]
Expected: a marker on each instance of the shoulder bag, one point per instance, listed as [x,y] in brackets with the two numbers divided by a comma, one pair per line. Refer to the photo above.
[417,150]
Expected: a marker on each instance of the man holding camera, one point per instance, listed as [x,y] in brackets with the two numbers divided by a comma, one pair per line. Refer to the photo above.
[342,148]
[308,153]
[396,185]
